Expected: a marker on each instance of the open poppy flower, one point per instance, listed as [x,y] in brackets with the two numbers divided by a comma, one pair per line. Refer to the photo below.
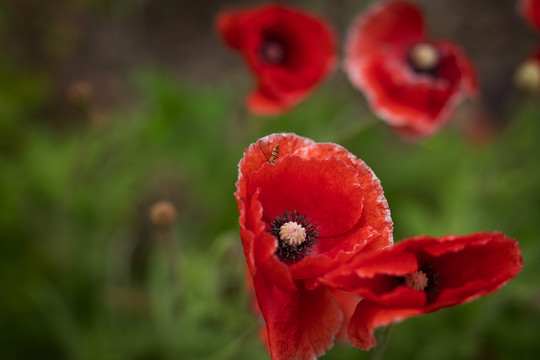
[411,82]
[297,223]
[530,9]
[421,275]
[288,50]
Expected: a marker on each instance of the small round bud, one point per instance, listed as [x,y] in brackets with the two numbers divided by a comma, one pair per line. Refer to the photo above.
[162,214]
[527,77]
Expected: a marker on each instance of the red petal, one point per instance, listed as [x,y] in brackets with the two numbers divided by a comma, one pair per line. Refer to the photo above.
[530,9]
[309,187]
[300,324]
[265,246]
[259,102]
[227,27]
[258,153]
[332,252]
[472,266]
[536,55]
[454,60]
[310,47]
[392,25]
[347,302]
[246,235]
[369,316]
[376,212]
[374,276]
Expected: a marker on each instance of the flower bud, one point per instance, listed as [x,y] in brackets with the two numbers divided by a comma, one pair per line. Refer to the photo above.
[162,214]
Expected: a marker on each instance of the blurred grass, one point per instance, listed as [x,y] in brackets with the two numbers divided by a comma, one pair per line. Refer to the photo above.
[81,269]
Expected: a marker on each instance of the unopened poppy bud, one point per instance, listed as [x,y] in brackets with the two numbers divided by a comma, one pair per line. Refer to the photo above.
[424,57]
[527,76]
[162,214]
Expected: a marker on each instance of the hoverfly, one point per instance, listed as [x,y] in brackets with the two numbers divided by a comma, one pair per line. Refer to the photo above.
[274,156]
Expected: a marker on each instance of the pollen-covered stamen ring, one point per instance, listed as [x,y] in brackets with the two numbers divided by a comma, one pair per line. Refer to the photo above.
[296,236]
[292,233]
[425,279]
[424,58]
[417,280]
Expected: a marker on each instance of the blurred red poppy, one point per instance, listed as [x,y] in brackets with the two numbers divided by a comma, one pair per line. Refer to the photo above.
[421,275]
[530,9]
[288,50]
[411,82]
[297,223]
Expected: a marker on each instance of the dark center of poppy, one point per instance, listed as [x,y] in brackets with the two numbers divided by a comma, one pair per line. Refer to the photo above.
[424,58]
[273,51]
[296,236]
[426,279]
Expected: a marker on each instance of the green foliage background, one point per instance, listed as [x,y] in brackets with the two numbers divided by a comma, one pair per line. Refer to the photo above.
[84,274]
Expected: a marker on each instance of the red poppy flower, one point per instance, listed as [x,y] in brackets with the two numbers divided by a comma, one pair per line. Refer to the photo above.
[288,50]
[411,82]
[422,275]
[530,9]
[297,223]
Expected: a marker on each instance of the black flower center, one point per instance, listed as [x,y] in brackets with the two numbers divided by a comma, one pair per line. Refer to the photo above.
[424,58]
[273,51]
[296,236]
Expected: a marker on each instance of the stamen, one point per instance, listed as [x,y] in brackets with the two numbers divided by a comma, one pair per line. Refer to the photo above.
[296,236]
[424,57]
[417,280]
[292,233]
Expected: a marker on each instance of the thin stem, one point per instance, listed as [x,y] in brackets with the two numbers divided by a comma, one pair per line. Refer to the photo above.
[383,341]
[172,253]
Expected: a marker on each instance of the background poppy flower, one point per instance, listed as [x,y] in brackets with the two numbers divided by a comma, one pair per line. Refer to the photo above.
[411,82]
[424,274]
[298,223]
[530,9]
[288,50]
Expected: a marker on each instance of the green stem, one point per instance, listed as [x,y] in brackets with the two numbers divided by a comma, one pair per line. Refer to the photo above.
[382,343]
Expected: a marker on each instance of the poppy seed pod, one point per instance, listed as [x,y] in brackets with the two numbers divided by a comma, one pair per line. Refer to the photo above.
[162,214]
